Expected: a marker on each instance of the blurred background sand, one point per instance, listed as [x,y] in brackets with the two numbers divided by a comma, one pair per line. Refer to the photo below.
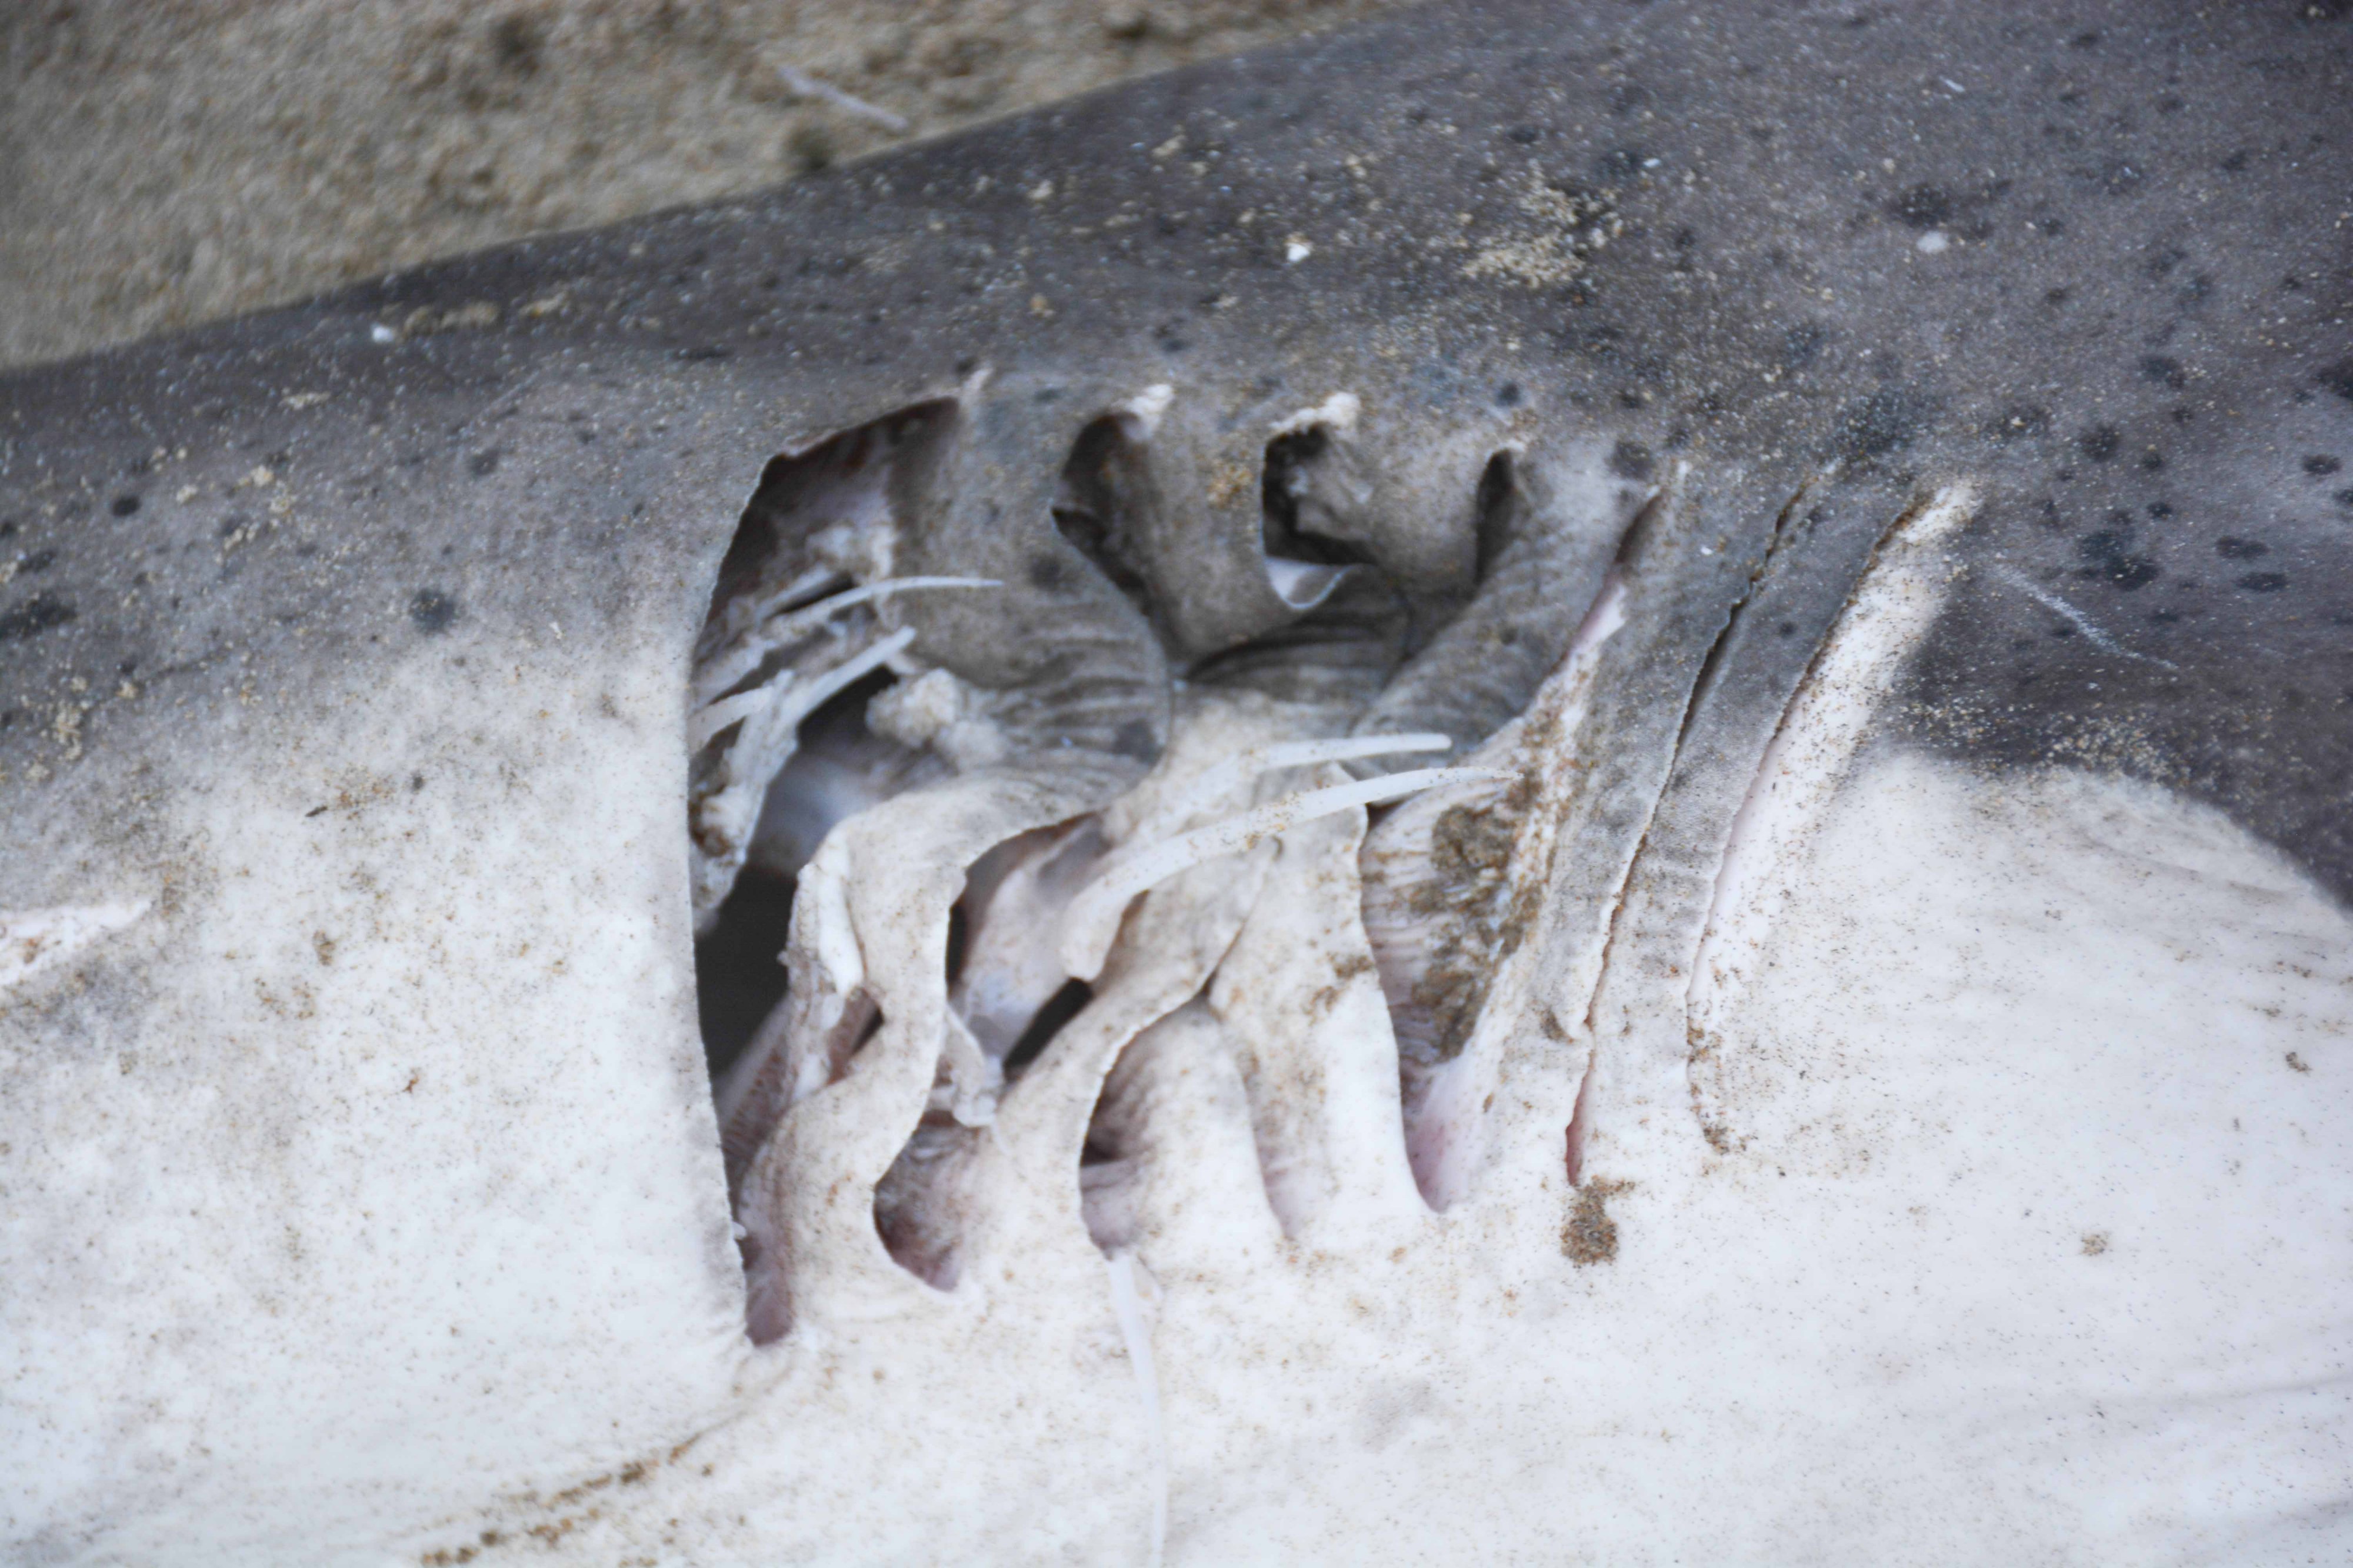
[168,162]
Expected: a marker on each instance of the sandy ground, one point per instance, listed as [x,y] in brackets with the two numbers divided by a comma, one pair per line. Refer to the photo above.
[167,161]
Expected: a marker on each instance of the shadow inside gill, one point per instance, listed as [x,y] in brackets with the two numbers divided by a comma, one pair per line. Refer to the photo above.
[737,978]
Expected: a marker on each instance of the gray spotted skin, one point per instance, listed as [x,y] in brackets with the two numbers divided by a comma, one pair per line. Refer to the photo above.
[2137,331]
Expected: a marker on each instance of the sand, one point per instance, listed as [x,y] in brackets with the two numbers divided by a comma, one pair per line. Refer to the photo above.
[164,164]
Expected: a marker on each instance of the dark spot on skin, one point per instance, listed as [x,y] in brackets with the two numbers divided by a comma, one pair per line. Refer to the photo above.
[415,782]
[433,612]
[2337,378]
[2152,461]
[1523,135]
[2023,419]
[39,561]
[2165,371]
[514,45]
[1922,207]
[1785,629]
[1045,573]
[2099,443]
[2236,164]
[1508,394]
[2231,549]
[2344,499]
[34,616]
[124,506]
[1879,424]
[2321,467]
[2084,40]
[2107,554]
[1802,344]
[1619,165]
[483,464]
[1631,460]
[2263,582]
[2158,510]
[703,353]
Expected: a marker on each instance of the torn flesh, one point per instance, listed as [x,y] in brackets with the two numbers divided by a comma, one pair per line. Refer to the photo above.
[978,951]
[1044,908]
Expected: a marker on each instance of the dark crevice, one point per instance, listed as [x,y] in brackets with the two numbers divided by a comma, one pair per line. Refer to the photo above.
[737,978]
[1059,1009]
[1289,512]
[1097,503]
[1580,1118]
[959,936]
[1502,511]
[907,1215]
[1711,665]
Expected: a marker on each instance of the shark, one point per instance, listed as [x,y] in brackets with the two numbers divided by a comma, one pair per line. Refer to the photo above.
[1561,781]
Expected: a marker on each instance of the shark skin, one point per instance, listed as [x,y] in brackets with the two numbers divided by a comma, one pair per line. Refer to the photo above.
[1888,1101]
